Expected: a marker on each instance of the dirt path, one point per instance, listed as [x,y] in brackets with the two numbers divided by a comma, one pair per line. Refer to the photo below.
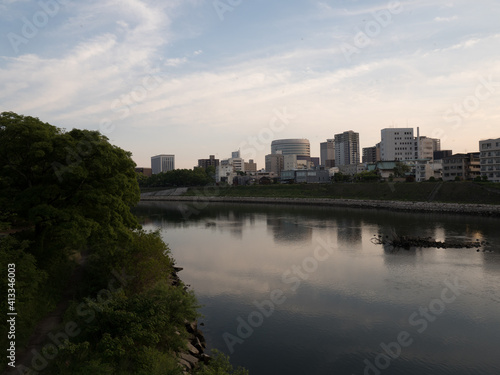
[48,323]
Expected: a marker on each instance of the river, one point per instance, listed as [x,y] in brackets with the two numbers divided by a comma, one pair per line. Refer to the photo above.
[304,291]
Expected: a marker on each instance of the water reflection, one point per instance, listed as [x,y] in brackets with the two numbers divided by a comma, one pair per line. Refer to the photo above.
[286,230]
[340,309]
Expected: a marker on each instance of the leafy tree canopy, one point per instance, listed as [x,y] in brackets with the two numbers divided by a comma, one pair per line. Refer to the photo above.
[66,185]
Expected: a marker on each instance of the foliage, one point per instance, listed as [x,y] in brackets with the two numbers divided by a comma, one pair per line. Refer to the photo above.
[66,186]
[179,177]
[29,279]
[220,365]
[340,177]
[366,176]
[401,169]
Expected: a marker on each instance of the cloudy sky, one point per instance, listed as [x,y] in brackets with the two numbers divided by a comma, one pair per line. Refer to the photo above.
[200,77]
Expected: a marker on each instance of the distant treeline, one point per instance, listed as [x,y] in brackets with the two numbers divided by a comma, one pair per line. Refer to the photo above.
[178,177]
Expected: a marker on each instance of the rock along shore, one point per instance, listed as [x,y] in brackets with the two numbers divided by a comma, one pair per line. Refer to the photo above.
[405,206]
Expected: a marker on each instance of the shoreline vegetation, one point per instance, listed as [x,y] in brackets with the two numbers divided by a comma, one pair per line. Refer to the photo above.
[94,292]
[454,197]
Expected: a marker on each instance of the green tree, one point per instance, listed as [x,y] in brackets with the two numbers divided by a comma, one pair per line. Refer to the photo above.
[401,169]
[65,186]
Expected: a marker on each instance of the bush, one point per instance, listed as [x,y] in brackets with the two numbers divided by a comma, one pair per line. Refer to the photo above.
[220,365]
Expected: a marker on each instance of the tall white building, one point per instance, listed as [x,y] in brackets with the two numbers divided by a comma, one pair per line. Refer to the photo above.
[162,163]
[397,144]
[346,148]
[490,159]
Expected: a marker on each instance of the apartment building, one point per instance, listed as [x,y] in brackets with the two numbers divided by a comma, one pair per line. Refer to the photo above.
[490,159]
[461,166]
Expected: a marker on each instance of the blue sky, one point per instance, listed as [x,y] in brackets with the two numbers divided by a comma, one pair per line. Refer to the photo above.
[200,77]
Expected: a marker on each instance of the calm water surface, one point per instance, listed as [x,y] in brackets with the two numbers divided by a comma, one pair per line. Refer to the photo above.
[303,290]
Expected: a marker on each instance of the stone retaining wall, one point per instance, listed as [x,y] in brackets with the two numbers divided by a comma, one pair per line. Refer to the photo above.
[454,208]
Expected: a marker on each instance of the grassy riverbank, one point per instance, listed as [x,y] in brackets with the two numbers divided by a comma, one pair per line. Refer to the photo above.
[449,192]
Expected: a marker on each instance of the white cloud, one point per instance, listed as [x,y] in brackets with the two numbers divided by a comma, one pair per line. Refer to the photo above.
[446,19]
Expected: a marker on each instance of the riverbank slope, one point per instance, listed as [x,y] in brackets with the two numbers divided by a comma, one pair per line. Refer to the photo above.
[460,198]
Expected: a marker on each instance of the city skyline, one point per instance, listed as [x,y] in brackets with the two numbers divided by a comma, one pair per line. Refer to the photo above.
[195,79]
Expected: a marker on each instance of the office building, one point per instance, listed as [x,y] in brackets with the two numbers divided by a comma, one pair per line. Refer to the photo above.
[327,153]
[490,159]
[291,147]
[162,163]
[346,148]
[397,144]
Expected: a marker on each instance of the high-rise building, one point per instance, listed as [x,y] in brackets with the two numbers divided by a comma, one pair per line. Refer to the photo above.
[162,163]
[275,163]
[236,154]
[371,154]
[327,153]
[346,148]
[210,162]
[490,159]
[397,144]
[291,147]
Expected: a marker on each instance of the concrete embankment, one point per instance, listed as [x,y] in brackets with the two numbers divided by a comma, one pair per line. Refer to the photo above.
[406,206]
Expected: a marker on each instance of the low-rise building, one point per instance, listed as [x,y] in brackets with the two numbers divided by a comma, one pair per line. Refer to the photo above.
[225,173]
[461,166]
[422,169]
[385,169]
[148,172]
[490,159]
[352,169]
[309,176]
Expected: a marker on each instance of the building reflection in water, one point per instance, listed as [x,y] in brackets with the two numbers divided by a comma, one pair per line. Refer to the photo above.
[289,230]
